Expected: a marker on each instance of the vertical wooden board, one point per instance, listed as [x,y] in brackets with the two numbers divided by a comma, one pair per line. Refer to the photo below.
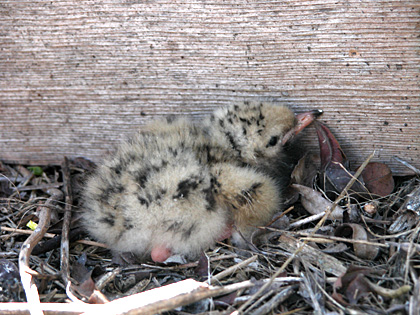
[76,77]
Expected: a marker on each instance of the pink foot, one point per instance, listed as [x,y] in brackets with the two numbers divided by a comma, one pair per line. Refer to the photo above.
[160,253]
[227,232]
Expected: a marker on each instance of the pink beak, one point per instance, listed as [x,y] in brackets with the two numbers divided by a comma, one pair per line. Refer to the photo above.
[303,120]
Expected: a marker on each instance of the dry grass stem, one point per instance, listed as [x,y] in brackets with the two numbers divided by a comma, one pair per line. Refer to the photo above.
[50,235]
[27,280]
[231,270]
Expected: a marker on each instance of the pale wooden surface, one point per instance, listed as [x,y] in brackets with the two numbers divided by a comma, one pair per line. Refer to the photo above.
[78,76]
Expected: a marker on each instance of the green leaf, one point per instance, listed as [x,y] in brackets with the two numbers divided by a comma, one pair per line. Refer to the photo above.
[36,170]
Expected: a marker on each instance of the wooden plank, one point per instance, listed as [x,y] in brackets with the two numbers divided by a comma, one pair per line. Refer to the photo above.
[76,77]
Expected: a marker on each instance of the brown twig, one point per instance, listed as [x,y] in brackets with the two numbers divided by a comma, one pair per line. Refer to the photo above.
[280,215]
[50,235]
[38,187]
[269,306]
[331,238]
[388,293]
[307,220]
[106,278]
[64,254]
[28,284]
[232,269]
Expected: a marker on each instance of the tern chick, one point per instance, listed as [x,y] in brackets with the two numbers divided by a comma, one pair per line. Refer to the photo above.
[177,187]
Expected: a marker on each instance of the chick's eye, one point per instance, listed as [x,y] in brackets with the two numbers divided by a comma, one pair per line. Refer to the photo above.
[273,141]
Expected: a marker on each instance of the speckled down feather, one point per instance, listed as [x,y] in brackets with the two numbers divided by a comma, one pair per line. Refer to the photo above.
[181,186]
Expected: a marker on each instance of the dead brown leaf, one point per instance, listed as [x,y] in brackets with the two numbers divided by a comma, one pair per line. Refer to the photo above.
[353,284]
[305,170]
[357,232]
[85,288]
[378,179]
[202,266]
[315,203]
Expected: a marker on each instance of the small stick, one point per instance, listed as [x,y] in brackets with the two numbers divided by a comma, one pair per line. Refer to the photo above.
[50,235]
[405,163]
[37,187]
[280,215]
[106,278]
[405,246]
[307,220]
[388,293]
[28,283]
[232,269]
[331,238]
[280,297]
[64,248]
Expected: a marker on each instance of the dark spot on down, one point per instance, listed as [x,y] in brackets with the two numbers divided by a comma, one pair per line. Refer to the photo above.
[206,149]
[175,226]
[186,234]
[173,151]
[128,224]
[211,202]
[108,219]
[110,190]
[245,121]
[160,193]
[185,187]
[214,182]
[117,169]
[140,177]
[131,157]
[143,201]
[232,141]
[255,186]
[247,195]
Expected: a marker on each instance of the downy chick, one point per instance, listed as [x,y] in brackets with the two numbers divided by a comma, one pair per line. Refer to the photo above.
[177,187]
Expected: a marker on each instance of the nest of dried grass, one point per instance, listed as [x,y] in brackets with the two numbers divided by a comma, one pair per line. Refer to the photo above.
[364,262]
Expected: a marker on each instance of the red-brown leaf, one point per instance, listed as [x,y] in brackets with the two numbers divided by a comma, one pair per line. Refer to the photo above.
[378,179]
[328,145]
[333,170]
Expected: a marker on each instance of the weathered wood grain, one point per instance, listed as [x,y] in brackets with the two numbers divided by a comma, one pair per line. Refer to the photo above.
[76,77]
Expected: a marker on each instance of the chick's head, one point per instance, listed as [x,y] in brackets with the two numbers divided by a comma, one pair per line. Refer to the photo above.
[254,131]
